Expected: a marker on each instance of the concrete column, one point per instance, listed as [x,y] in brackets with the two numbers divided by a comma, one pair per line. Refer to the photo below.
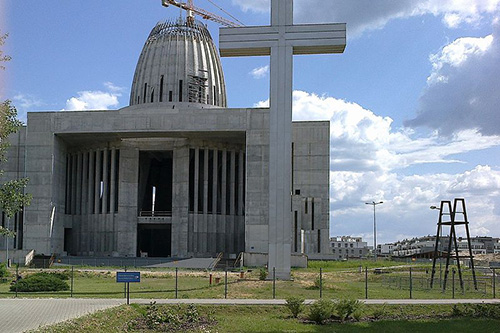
[213,226]
[105,178]
[90,202]
[203,235]
[223,216]
[84,235]
[97,181]
[241,182]
[193,236]
[97,208]
[78,184]
[205,183]
[112,201]
[85,182]
[232,176]
[73,183]
[231,221]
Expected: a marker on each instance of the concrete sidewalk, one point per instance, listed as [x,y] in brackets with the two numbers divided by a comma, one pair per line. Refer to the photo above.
[20,315]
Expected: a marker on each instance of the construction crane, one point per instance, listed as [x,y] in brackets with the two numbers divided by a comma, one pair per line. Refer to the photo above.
[192,10]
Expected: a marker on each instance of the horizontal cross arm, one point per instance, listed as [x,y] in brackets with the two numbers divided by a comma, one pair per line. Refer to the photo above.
[304,38]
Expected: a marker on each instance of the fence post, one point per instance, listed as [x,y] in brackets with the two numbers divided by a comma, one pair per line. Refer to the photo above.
[17,276]
[176,285]
[366,282]
[225,282]
[320,282]
[411,285]
[494,283]
[72,278]
[274,282]
[125,285]
[453,284]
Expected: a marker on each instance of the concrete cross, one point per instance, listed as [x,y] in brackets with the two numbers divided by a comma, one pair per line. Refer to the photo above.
[281,40]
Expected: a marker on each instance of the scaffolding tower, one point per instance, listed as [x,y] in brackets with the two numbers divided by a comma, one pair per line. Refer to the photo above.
[448,217]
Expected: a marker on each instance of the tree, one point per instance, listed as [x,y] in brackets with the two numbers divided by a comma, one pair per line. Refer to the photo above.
[3,58]
[12,196]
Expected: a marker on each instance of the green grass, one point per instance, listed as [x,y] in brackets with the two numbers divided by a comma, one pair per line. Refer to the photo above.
[339,279]
[435,318]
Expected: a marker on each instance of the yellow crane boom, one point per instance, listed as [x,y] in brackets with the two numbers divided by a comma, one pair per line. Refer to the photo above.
[191,10]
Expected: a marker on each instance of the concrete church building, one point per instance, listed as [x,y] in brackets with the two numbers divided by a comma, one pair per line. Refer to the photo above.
[175,174]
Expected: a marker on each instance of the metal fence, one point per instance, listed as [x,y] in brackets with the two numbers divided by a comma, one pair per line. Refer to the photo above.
[380,283]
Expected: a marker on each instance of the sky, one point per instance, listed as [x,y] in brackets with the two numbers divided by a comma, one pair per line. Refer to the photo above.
[413,101]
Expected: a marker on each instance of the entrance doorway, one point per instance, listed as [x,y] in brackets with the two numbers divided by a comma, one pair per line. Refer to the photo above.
[155,240]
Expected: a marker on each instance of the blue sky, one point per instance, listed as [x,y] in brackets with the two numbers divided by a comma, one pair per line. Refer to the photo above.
[413,102]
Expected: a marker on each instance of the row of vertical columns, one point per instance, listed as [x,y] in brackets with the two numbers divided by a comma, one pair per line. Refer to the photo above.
[91,192]
[230,199]
[90,183]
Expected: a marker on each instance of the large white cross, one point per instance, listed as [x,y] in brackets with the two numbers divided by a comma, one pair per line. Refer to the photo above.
[281,40]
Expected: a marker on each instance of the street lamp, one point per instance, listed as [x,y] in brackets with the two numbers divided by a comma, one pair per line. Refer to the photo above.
[373,203]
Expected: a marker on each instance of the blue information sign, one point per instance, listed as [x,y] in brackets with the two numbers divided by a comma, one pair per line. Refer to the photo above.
[128,276]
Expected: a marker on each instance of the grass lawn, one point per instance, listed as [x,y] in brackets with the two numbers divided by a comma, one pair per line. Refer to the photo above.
[435,318]
[339,280]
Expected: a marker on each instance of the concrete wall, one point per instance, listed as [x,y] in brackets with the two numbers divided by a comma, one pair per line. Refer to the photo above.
[51,136]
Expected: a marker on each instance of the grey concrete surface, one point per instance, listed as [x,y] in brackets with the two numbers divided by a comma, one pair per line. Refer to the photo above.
[21,315]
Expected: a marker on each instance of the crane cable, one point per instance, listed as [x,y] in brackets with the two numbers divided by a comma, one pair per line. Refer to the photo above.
[227,13]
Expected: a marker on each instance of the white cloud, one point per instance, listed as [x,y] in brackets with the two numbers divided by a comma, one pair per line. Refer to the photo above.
[95,100]
[455,54]
[259,72]
[366,160]
[26,102]
[462,90]
[362,15]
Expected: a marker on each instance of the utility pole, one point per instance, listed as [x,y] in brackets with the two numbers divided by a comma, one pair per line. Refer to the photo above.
[374,204]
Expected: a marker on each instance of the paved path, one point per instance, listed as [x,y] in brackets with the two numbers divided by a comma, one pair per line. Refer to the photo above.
[20,315]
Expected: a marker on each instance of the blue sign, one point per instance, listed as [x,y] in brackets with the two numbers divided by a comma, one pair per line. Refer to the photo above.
[128,276]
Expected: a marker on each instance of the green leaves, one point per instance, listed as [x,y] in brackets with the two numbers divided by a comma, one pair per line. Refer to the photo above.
[12,196]
[3,58]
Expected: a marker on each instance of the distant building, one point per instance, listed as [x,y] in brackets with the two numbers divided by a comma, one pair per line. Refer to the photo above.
[423,247]
[345,247]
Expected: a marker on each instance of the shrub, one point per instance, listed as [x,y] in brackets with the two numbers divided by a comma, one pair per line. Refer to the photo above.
[3,270]
[379,312]
[320,311]
[40,282]
[346,308]
[176,318]
[476,310]
[295,305]
[262,274]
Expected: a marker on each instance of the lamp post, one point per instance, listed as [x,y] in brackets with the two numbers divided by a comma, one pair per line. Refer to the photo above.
[374,204]
[440,252]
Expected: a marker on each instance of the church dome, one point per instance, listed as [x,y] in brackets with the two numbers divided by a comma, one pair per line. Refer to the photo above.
[179,64]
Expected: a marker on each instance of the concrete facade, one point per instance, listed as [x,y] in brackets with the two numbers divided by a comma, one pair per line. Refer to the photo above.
[167,176]
[80,162]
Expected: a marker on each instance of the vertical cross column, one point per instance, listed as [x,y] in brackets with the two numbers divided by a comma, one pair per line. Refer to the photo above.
[280,138]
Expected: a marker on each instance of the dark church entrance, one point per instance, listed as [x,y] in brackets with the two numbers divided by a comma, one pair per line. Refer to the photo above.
[154,240]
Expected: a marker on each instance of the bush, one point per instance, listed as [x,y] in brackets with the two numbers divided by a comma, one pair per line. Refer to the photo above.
[295,305]
[320,311]
[262,274]
[3,271]
[348,308]
[476,311]
[40,282]
[177,318]
[379,312]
